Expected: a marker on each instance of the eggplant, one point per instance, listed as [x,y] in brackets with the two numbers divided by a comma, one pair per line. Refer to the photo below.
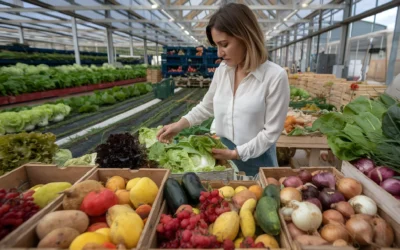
[174,195]
[192,186]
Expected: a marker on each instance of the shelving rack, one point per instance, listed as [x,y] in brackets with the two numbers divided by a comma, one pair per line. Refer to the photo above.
[188,59]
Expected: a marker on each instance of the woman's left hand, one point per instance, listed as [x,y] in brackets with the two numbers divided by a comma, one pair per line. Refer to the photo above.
[225,154]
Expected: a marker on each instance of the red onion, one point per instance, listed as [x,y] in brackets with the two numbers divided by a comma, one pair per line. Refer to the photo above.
[304,176]
[397,197]
[392,186]
[309,191]
[316,202]
[329,196]
[380,174]
[292,181]
[364,165]
[324,180]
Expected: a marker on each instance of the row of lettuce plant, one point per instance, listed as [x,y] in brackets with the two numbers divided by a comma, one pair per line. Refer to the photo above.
[23,78]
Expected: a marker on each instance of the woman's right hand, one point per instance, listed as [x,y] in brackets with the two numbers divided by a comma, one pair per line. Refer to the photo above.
[168,132]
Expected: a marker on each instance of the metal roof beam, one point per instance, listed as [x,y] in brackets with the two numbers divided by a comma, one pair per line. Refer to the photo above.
[170,7]
[111,20]
[73,14]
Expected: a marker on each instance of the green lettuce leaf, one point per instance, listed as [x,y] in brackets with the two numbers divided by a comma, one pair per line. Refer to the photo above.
[61,157]
[88,159]
[391,122]
[148,136]
[363,104]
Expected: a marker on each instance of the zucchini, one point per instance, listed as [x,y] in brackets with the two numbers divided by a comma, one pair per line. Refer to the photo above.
[267,215]
[192,186]
[273,191]
[174,195]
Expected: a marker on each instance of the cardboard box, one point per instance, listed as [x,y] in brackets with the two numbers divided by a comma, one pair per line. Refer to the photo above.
[29,239]
[277,173]
[30,175]
[282,240]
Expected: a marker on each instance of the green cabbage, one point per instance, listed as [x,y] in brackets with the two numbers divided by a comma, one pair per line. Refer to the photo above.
[61,157]
[88,159]
[12,122]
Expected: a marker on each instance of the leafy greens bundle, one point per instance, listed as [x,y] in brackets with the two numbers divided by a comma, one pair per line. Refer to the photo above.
[190,154]
[366,128]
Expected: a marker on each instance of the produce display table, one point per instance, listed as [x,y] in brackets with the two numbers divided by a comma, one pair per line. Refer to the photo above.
[314,143]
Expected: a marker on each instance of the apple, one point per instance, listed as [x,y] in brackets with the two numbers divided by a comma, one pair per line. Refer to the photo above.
[184,207]
[96,226]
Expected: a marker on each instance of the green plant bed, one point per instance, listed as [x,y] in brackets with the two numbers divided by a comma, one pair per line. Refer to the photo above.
[22,78]
[82,121]
[82,145]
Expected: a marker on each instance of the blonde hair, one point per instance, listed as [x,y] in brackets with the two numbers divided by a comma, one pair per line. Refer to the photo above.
[239,21]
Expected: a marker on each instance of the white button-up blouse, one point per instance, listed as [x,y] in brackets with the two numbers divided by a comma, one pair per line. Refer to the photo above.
[253,119]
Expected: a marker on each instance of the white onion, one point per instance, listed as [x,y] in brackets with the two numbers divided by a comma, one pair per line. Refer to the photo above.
[306,216]
[363,205]
[287,213]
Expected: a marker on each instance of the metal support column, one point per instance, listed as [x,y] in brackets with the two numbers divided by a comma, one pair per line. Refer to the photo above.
[21,34]
[110,42]
[131,45]
[287,51]
[308,55]
[110,46]
[157,55]
[344,34]
[146,61]
[393,52]
[75,41]
[294,46]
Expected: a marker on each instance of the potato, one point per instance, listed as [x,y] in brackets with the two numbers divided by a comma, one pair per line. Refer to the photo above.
[59,238]
[65,218]
[240,198]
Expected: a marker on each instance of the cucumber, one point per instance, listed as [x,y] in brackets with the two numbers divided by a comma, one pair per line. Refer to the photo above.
[273,191]
[192,186]
[174,195]
[267,215]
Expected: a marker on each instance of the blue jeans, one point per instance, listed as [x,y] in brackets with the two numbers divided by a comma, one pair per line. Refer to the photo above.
[251,166]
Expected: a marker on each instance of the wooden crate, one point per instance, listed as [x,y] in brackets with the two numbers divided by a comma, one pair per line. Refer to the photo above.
[283,242]
[388,203]
[277,173]
[30,175]
[148,75]
[226,175]
[313,143]
[369,91]
[155,76]
[29,239]
[325,76]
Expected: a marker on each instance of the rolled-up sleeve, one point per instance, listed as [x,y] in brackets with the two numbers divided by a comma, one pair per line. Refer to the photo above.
[205,109]
[277,103]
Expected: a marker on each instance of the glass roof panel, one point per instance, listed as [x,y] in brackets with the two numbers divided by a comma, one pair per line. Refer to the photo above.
[12,16]
[89,3]
[56,2]
[304,13]
[117,15]
[91,14]
[124,2]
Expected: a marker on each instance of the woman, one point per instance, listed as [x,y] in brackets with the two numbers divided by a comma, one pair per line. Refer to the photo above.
[248,96]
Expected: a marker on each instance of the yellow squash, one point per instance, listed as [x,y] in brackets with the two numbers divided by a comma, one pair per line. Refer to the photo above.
[247,222]
[226,226]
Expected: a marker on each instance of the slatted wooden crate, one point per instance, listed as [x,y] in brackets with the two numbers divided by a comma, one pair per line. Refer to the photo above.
[155,76]
[369,91]
[148,75]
